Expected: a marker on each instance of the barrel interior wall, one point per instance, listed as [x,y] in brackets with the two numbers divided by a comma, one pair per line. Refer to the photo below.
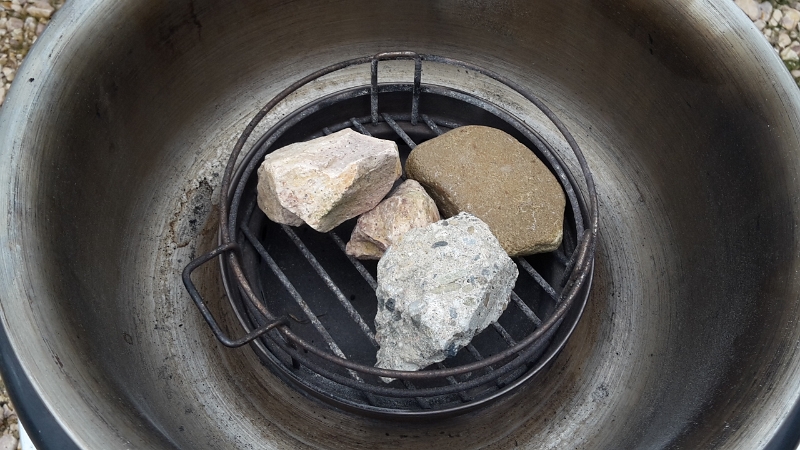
[694,289]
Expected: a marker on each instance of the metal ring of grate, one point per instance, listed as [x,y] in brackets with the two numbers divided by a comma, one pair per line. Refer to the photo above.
[304,304]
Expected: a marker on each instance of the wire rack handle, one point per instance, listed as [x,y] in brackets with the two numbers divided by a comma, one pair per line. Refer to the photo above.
[373,90]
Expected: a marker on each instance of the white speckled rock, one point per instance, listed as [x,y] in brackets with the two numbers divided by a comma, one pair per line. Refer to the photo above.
[438,287]
[409,206]
[327,180]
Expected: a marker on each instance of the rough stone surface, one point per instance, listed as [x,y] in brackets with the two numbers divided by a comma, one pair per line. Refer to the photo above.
[438,287]
[327,180]
[409,206]
[488,173]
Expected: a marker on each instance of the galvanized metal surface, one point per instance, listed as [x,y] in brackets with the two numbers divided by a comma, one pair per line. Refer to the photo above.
[112,145]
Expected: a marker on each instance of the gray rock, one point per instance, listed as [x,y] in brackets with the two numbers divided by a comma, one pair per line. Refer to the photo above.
[409,206]
[438,287]
[486,172]
[327,180]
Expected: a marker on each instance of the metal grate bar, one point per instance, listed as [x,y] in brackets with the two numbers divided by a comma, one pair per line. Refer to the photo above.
[327,131]
[431,124]
[371,281]
[331,285]
[398,130]
[569,266]
[356,263]
[478,357]
[559,254]
[532,272]
[452,380]
[506,337]
[297,297]
[526,309]
[360,128]
[423,402]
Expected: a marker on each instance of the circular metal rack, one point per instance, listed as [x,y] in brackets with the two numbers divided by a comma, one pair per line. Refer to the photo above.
[306,307]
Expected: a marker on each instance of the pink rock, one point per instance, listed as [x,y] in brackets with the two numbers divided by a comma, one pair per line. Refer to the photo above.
[409,206]
[327,180]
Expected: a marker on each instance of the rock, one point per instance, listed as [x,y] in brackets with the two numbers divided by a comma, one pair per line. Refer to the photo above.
[8,412]
[766,10]
[8,442]
[437,287]
[9,73]
[14,23]
[750,7]
[790,18]
[409,206]
[30,24]
[784,40]
[488,173]
[760,24]
[796,73]
[327,180]
[788,54]
[2,95]
[40,10]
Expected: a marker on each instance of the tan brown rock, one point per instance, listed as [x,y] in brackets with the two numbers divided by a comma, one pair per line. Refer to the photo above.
[488,173]
[327,180]
[409,206]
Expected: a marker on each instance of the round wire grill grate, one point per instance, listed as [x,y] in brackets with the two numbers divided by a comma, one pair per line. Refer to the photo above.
[307,307]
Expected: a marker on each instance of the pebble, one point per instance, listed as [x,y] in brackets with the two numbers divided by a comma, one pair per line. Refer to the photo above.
[488,173]
[21,22]
[8,442]
[40,10]
[779,23]
[788,54]
[328,180]
[766,10]
[408,207]
[784,40]
[790,18]
[437,288]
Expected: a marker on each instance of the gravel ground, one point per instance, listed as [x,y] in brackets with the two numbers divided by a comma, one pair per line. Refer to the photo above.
[778,21]
[22,21]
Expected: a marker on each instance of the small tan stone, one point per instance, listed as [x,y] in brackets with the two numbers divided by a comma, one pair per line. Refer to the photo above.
[488,173]
[40,10]
[327,180]
[408,207]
